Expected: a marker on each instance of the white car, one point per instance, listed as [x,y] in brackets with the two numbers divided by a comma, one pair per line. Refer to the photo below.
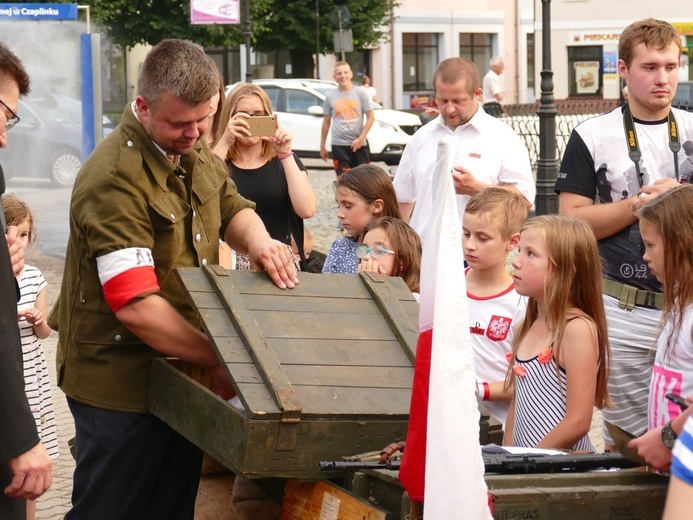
[298,104]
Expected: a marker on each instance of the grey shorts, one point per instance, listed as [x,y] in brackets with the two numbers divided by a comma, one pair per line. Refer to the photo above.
[632,337]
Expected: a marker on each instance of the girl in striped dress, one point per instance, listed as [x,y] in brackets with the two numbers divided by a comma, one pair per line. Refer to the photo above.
[562,340]
[32,313]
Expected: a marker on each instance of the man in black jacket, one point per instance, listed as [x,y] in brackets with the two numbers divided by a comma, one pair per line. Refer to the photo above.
[25,467]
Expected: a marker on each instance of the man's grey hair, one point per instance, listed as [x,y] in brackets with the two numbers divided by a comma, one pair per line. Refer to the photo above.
[496,60]
[180,68]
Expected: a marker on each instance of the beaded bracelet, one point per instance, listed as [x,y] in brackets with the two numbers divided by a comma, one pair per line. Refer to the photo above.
[285,156]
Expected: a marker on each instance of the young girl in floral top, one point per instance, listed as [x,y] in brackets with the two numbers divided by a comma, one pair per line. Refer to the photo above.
[363,194]
[562,340]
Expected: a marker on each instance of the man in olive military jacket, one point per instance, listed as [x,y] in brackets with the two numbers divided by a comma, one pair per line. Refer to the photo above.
[150,199]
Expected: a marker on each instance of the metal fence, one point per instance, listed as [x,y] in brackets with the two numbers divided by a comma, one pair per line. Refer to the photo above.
[525,121]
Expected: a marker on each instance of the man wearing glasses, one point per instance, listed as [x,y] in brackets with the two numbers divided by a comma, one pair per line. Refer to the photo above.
[25,467]
[11,119]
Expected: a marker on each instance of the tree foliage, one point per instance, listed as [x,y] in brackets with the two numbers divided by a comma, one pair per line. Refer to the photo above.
[276,24]
[292,25]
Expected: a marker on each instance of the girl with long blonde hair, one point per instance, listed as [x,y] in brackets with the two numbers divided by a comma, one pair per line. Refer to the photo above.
[560,359]
[264,168]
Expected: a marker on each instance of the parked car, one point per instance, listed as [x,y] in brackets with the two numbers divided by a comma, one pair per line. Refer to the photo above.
[47,141]
[298,104]
[684,96]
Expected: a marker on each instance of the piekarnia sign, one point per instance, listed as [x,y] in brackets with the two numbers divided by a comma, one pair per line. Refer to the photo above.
[38,11]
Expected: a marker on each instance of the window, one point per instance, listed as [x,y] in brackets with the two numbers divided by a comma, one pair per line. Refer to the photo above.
[298,101]
[228,62]
[585,71]
[273,95]
[114,83]
[477,48]
[419,60]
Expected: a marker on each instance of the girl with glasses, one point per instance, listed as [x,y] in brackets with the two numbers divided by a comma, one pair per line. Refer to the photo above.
[391,247]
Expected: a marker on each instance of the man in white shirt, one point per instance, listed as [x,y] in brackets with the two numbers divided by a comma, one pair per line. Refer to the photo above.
[492,89]
[487,151]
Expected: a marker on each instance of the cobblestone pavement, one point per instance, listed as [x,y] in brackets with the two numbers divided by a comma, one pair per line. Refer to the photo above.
[56,502]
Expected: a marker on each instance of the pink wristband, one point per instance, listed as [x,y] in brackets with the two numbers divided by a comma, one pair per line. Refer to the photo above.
[285,156]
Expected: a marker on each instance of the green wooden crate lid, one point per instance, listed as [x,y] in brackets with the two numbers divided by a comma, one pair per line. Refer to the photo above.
[336,346]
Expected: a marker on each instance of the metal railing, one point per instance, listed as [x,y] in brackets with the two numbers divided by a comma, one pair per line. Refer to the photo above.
[525,121]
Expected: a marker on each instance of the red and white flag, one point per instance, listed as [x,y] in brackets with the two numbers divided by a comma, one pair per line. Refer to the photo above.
[442,447]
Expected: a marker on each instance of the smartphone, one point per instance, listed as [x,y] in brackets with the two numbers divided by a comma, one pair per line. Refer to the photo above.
[262,125]
[678,400]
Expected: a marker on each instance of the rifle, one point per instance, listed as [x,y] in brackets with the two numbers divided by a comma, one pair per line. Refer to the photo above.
[512,464]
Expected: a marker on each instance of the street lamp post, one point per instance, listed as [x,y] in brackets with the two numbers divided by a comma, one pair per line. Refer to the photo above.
[547,166]
[317,39]
[247,32]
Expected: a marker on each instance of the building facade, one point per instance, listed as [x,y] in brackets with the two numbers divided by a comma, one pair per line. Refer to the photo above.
[584,42]
[425,33]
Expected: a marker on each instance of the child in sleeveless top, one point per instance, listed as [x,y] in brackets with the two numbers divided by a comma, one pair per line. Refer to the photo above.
[559,363]
[32,313]
[363,194]
[666,226]
[391,247]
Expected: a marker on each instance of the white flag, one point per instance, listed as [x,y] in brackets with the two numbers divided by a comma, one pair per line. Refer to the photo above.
[454,483]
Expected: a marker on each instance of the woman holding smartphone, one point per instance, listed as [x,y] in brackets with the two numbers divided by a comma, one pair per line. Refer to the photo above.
[260,161]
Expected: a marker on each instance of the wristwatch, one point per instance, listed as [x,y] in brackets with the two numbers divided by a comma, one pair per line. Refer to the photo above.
[668,435]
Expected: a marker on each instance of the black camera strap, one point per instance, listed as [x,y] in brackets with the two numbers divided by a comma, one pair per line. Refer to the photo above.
[634,148]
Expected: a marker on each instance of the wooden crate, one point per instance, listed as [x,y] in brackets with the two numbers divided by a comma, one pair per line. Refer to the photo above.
[567,496]
[323,370]
[323,500]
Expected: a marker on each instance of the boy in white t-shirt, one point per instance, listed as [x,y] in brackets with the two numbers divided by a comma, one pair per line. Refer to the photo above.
[490,231]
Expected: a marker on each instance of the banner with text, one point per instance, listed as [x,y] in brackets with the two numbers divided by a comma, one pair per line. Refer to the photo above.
[215,12]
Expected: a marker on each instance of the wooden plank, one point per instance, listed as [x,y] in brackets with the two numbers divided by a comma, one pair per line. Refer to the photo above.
[340,352]
[305,325]
[323,500]
[325,286]
[578,503]
[204,300]
[405,329]
[193,279]
[257,345]
[327,326]
[389,497]
[375,378]
[256,399]
[333,402]
[411,307]
[217,322]
[321,440]
[575,479]
[291,302]
[197,414]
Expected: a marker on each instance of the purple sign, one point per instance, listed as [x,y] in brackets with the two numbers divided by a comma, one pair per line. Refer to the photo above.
[215,11]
